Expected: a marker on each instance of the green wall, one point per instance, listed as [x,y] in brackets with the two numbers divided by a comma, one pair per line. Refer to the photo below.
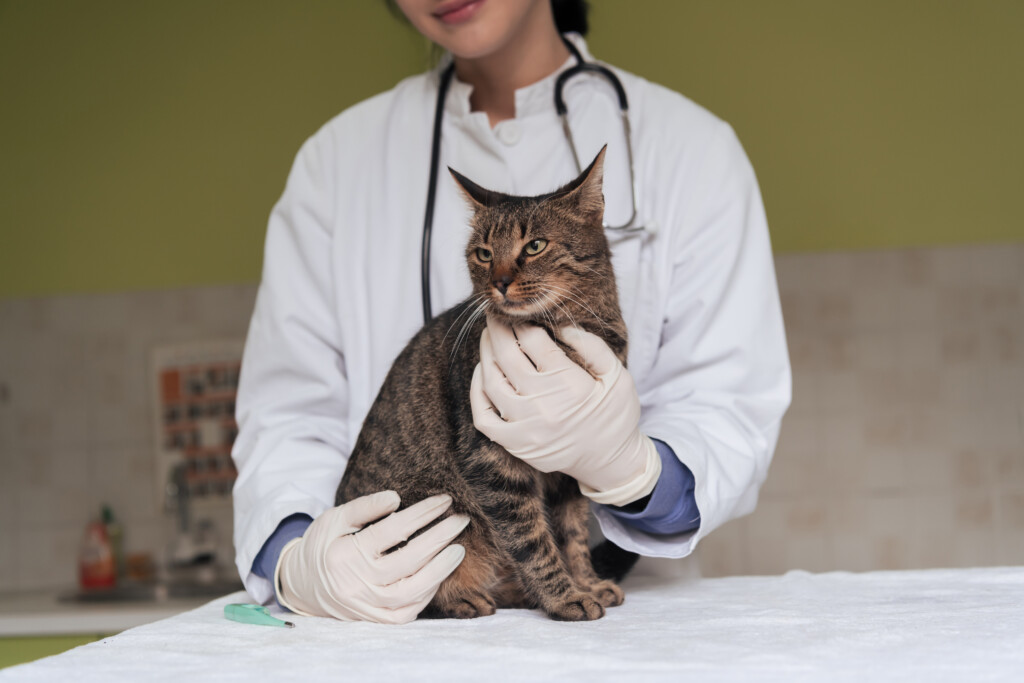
[22,650]
[143,143]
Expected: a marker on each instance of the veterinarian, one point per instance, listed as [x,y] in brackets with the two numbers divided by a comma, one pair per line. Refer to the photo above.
[341,294]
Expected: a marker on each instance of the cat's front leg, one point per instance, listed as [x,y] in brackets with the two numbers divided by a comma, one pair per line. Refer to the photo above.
[569,511]
[513,500]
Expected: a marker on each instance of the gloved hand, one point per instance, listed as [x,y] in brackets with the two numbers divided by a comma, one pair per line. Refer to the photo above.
[557,416]
[338,567]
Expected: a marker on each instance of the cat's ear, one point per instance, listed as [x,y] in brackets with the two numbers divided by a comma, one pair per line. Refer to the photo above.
[477,196]
[586,191]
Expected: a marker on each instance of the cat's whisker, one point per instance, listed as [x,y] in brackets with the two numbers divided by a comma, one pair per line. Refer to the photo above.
[466,328]
[568,314]
[586,361]
[554,303]
[469,305]
[581,298]
[458,342]
[480,309]
[563,309]
[458,338]
[547,313]
[468,308]
[582,304]
[578,301]
[534,301]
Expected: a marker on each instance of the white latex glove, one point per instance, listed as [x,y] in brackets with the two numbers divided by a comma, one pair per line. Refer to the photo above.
[557,416]
[338,567]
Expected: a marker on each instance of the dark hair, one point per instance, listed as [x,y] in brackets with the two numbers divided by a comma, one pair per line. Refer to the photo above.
[570,15]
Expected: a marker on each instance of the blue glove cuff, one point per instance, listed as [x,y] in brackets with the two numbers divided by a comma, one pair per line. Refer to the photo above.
[672,508]
[290,527]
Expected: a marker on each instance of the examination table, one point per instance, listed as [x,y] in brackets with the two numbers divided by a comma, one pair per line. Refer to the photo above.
[935,625]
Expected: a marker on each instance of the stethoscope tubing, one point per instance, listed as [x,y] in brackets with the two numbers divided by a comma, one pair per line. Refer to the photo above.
[428,214]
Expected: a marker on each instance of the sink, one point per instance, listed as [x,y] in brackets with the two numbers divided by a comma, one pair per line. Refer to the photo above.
[137,591]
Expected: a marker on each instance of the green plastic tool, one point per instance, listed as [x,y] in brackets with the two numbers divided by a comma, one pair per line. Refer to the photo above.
[253,614]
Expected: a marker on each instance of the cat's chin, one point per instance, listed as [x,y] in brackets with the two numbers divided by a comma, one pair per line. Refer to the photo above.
[523,313]
[514,316]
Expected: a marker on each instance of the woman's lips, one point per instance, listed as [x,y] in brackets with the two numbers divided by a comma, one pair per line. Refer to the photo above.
[458,11]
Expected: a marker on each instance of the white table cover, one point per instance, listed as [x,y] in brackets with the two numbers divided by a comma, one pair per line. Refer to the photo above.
[936,625]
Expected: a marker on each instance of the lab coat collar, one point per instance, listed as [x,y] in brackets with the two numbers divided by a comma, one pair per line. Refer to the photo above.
[532,99]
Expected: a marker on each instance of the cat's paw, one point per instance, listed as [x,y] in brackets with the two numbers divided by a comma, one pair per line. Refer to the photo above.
[466,607]
[607,593]
[578,607]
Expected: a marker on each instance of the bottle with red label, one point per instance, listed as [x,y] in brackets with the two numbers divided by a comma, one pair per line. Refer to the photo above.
[96,565]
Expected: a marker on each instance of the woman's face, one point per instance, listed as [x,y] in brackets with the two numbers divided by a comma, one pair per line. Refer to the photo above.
[472,29]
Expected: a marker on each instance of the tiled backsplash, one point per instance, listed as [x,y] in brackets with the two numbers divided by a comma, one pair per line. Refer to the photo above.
[76,428]
[904,446]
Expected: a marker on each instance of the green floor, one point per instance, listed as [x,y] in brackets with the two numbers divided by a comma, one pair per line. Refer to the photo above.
[20,650]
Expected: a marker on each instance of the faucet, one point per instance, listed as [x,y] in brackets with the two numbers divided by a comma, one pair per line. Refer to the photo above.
[177,499]
[192,546]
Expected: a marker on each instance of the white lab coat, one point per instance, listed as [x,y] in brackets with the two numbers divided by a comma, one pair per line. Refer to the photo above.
[340,294]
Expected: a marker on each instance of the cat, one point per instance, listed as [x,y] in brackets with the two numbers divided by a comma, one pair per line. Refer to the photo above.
[543,260]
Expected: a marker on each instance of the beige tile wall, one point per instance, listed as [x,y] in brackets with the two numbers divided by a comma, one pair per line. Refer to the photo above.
[903,447]
[75,423]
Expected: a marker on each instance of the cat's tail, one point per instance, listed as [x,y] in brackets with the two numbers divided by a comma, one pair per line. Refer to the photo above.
[612,562]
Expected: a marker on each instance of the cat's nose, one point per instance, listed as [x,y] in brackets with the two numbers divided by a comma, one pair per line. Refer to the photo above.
[502,283]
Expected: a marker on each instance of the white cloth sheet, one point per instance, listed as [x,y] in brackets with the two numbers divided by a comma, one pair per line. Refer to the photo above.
[937,625]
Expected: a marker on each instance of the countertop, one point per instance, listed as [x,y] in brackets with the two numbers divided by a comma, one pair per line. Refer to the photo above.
[41,613]
[938,625]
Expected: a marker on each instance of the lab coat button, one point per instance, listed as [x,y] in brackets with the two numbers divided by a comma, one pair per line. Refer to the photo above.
[509,132]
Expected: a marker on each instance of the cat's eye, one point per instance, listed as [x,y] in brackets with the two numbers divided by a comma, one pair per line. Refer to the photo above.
[535,247]
[484,255]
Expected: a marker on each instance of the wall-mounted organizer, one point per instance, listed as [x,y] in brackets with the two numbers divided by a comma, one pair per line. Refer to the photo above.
[194,388]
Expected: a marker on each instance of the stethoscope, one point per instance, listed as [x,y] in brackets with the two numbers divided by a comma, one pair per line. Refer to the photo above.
[581,66]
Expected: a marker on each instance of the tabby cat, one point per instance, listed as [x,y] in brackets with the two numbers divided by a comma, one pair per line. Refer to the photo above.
[541,260]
